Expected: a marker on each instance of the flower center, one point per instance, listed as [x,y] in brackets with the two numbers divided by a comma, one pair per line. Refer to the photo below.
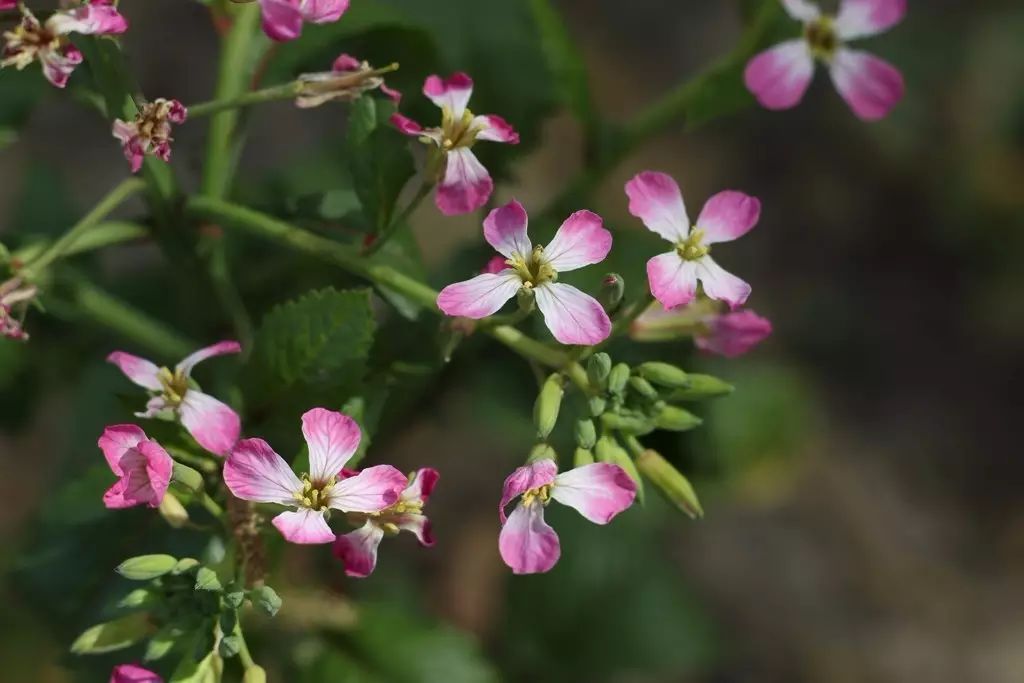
[457,133]
[26,41]
[533,270]
[541,495]
[175,385]
[314,495]
[691,248]
[821,36]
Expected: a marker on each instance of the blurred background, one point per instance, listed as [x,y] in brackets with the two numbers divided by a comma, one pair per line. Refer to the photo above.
[862,485]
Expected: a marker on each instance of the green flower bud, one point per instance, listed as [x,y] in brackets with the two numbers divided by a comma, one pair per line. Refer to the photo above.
[526,300]
[542,451]
[265,599]
[700,387]
[185,564]
[612,289]
[254,674]
[549,402]
[112,635]
[140,597]
[586,435]
[632,424]
[233,599]
[146,567]
[676,419]
[597,405]
[598,367]
[206,580]
[581,457]
[173,512]
[609,450]
[643,387]
[187,477]
[229,646]
[617,378]
[676,488]
[664,374]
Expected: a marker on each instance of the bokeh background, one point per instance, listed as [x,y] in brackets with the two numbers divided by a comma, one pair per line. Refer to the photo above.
[862,485]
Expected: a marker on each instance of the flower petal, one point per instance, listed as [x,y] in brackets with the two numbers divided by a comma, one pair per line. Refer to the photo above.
[253,471]
[505,230]
[406,125]
[421,486]
[116,440]
[779,76]
[727,216]
[495,265]
[418,525]
[572,316]
[372,490]
[720,284]
[138,370]
[218,349]
[871,86]
[598,491]
[526,543]
[655,199]
[466,185]
[282,19]
[673,280]
[733,334]
[145,475]
[452,92]
[480,297]
[332,439]
[132,673]
[801,10]
[495,129]
[323,11]
[534,475]
[304,526]
[214,425]
[358,549]
[863,18]
[91,19]
[580,241]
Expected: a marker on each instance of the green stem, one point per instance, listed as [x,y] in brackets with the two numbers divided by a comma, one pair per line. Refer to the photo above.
[244,656]
[207,466]
[103,234]
[286,91]
[210,505]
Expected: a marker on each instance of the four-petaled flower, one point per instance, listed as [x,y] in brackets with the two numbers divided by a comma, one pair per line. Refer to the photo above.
[730,334]
[142,466]
[283,19]
[211,423]
[47,42]
[255,472]
[14,293]
[655,199]
[348,79]
[598,492]
[572,316]
[150,132]
[779,77]
[465,185]
[358,549]
[133,673]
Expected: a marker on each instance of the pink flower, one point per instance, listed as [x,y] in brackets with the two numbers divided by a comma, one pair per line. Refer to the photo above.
[779,77]
[8,5]
[733,334]
[465,185]
[14,294]
[142,466]
[211,423]
[255,472]
[48,44]
[282,19]
[133,673]
[729,334]
[572,316]
[348,79]
[598,492]
[150,132]
[358,549]
[655,199]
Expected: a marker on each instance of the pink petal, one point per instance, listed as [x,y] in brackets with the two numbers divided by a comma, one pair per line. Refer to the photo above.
[304,526]
[358,549]
[673,280]
[871,86]
[332,439]
[480,297]
[655,199]
[523,479]
[323,11]
[466,185]
[214,425]
[8,4]
[572,316]
[282,19]
[452,92]
[253,471]
[505,230]
[155,406]
[734,334]
[863,18]
[580,241]
[218,349]
[418,525]
[132,673]
[392,94]
[138,370]
[346,62]
[116,440]
[495,129]
[727,216]
[720,284]
[779,77]
[494,265]
[145,476]
[526,543]
[801,10]
[422,485]
[91,19]
[406,125]
[372,490]
[598,491]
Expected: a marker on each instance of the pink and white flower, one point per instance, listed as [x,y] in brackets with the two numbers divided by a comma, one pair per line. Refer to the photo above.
[255,472]
[572,316]
[779,76]
[464,184]
[348,79]
[655,199]
[142,466]
[211,423]
[283,19]
[47,42]
[598,491]
[358,549]
[150,132]
[133,673]
[730,334]
[15,297]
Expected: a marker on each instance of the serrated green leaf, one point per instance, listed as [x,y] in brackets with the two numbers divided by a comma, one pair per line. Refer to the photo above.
[112,635]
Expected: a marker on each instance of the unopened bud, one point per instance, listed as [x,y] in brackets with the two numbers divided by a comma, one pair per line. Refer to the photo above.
[586,434]
[549,402]
[608,450]
[631,424]
[617,378]
[187,477]
[612,289]
[582,456]
[542,451]
[254,674]
[700,387]
[526,300]
[597,405]
[676,419]
[146,567]
[598,367]
[265,599]
[664,374]
[675,487]
[137,598]
[643,387]
[184,565]
[173,512]
[229,646]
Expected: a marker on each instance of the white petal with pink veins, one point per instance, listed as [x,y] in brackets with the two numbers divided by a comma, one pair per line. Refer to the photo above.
[655,199]
[253,471]
[779,76]
[505,230]
[598,491]
[871,86]
[372,490]
[304,527]
[332,439]
[673,281]
[526,543]
[580,241]
[357,549]
[218,349]
[138,370]
[720,284]
[863,18]
[572,316]
[213,424]
[452,92]
[480,297]
[727,216]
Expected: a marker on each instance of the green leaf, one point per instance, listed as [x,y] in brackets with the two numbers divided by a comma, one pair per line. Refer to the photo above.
[379,160]
[112,635]
[567,66]
[206,580]
[146,567]
[162,642]
[207,670]
[19,93]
